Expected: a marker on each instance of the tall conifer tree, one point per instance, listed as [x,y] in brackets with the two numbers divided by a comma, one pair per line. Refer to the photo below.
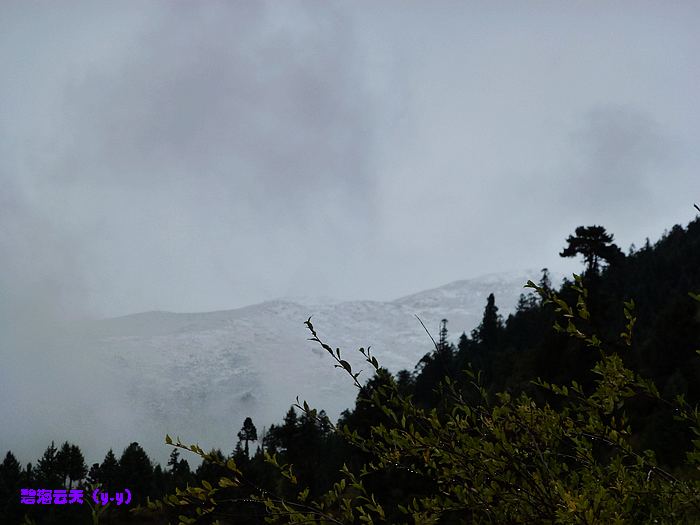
[109,472]
[247,433]
[595,244]
[47,469]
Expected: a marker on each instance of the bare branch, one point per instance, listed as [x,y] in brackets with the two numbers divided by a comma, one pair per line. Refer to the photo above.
[426,331]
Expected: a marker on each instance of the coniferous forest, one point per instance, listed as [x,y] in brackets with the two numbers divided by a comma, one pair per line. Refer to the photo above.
[580,407]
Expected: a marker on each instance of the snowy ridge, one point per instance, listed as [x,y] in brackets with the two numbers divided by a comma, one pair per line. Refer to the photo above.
[199,375]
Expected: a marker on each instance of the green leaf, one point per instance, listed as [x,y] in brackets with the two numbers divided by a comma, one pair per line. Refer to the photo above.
[226,482]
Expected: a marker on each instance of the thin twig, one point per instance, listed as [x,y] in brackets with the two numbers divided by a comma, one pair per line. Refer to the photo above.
[426,331]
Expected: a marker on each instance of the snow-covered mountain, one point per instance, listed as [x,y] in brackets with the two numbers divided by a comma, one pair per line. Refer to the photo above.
[199,375]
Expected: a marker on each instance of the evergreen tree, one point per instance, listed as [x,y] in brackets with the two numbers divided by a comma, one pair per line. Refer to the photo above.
[174,459]
[366,413]
[404,381]
[283,436]
[183,473]
[433,367]
[70,464]
[29,475]
[136,472]
[63,462]
[595,244]
[78,468]
[463,341]
[442,344]
[47,469]
[239,455]
[247,433]
[324,423]
[210,470]
[466,350]
[10,483]
[109,472]
[445,351]
[487,333]
[486,338]
[526,302]
[269,440]
[545,281]
[93,476]
[161,482]
[10,470]
[179,470]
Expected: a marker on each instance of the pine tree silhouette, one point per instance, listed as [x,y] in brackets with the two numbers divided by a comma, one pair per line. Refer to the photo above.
[595,244]
[247,433]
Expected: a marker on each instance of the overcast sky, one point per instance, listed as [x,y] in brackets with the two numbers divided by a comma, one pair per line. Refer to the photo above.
[193,156]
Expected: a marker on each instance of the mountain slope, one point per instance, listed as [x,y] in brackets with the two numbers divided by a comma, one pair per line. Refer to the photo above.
[199,375]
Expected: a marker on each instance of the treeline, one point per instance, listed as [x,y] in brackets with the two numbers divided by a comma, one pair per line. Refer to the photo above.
[509,353]
[303,440]
[65,468]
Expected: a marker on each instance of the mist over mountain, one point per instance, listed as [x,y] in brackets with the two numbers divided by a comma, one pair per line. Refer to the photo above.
[198,375]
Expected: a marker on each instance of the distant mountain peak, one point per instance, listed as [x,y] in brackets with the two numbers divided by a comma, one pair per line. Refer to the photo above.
[182,372]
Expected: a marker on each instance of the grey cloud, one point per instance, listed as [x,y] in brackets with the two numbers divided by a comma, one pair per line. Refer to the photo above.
[620,150]
[205,134]
[215,100]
